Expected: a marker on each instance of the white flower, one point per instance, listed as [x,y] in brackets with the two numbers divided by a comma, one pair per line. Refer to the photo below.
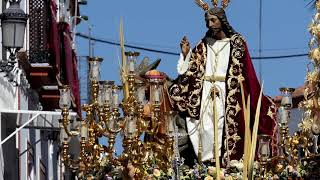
[236,164]
[156,172]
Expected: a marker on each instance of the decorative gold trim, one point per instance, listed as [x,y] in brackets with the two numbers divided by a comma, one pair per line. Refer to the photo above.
[272,114]
[233,89]
[188,98]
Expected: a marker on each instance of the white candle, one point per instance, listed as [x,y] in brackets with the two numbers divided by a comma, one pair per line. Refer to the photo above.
[100,97]
[286,101]
[131,65]
[156,96]
[111,124]
[115,100]
[171,123]
[264,150]
[141,94]
[131,126]
[65,98]
[84,131]
[94,72]
[284,116]
[63,101]
[108,96]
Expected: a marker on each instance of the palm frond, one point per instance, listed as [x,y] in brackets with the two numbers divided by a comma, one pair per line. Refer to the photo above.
[144,64]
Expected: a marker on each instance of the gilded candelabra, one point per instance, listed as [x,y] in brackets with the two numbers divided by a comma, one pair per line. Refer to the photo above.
[292,149]
[143,122]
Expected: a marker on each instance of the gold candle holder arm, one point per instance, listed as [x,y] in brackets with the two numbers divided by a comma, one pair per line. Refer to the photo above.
[66,122]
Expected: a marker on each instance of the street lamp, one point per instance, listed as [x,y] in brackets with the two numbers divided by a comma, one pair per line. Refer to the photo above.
[13,22]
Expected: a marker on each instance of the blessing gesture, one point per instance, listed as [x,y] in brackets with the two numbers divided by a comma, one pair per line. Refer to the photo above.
[185,46]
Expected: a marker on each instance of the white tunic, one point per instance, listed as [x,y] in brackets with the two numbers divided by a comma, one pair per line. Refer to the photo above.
[206,110]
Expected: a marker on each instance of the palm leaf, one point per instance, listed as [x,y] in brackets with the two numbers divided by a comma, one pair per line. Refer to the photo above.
[144,64]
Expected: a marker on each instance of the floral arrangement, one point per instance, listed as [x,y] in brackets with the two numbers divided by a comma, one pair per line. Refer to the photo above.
[304,170]
[201,171]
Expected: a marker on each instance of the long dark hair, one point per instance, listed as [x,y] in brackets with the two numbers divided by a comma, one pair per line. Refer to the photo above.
[226,27]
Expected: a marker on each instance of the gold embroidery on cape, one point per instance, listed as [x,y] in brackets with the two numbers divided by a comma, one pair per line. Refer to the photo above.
[186,99]
[272,114]
[233,89]
[191,101]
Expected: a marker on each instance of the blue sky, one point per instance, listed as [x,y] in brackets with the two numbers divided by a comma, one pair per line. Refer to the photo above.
[161,25]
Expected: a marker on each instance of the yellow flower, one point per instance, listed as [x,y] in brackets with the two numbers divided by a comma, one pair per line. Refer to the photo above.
[212,170]
[156,172]
[305,125]
[170,171]
[208,178]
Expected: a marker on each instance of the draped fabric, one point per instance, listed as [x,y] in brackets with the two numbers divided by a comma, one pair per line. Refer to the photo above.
[54,39]
[186,93]
[69,71]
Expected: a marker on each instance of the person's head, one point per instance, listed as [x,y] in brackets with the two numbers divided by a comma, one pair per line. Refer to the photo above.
[216,22]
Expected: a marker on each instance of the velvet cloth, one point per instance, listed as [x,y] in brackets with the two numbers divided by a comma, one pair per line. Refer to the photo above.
[63,57]
[267,121]
[54,39]
[69,74]
[187,88]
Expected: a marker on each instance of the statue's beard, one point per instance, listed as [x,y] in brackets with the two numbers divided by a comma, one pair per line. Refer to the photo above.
[211,35]
[214,32]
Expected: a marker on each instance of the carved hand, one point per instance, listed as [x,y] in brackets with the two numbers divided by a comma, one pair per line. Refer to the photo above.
[185,46]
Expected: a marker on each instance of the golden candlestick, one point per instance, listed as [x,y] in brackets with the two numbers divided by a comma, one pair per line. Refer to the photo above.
[104,119]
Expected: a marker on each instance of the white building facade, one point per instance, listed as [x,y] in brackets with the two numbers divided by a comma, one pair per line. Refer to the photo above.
[29,121]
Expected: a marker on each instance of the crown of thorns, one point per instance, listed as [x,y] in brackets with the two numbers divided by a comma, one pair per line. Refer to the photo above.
[205,6]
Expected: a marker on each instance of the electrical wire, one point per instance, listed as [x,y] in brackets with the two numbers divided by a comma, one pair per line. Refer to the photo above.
[177,54]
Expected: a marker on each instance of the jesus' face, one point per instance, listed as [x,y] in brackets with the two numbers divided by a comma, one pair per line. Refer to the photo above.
[213,24]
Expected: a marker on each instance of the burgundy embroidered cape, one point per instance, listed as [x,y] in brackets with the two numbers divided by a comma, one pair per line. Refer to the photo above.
[187,89]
